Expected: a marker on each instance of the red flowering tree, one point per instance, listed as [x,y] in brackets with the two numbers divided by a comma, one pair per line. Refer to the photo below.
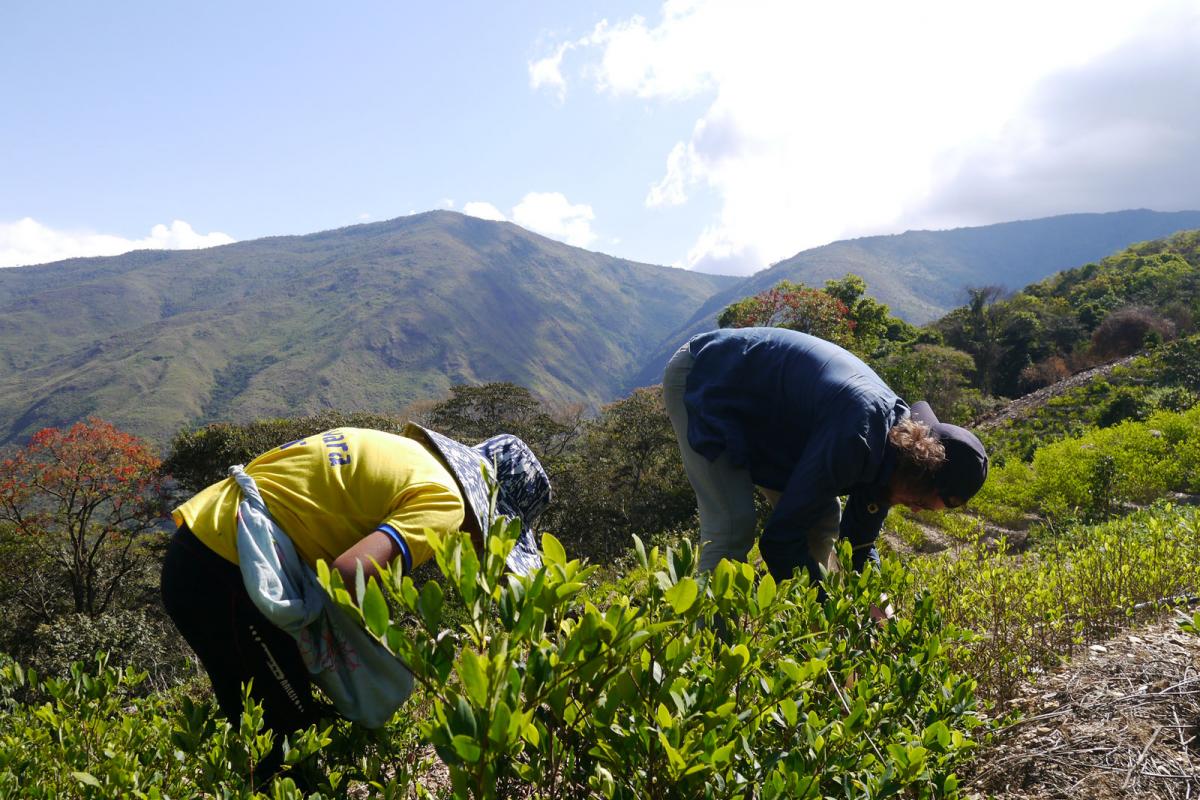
[84,498]
[795,306]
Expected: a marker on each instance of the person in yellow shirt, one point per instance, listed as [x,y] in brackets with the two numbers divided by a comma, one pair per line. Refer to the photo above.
[348,496]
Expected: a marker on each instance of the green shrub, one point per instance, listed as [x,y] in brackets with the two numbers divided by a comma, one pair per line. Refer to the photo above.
[689,686]
[1087,476]
[1182,432]
[1007,494]
[1032,611]
[1162,380]
[137,639]
[958,526]
[88,735]
[623,478]
[904,528]
[1134,456]
[95,733]
[1125,404]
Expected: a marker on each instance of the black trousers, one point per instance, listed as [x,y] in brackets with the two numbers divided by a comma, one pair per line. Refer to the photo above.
[205,597]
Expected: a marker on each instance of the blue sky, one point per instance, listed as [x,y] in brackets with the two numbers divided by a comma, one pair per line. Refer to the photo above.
[710,135]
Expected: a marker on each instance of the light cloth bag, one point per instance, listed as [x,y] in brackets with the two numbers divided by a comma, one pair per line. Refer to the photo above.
[364,681]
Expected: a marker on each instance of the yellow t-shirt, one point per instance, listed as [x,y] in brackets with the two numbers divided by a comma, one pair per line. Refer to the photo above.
[331,489]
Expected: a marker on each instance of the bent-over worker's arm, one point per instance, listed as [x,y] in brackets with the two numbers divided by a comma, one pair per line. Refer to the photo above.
[377,547]
[811,488]
[401,537]
[862,519]
[831,461]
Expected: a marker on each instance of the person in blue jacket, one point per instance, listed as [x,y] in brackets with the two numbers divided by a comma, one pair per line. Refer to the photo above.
[806,422]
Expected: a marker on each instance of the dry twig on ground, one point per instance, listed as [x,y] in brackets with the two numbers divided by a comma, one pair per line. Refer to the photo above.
[1118,723]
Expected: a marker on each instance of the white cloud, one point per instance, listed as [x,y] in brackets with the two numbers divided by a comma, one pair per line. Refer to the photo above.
[483,210]
[180,236]
[1115,134]
[833,120]
[681,169]
[551,214]
[664,61]
[547,213]
[27,241]
[547,72]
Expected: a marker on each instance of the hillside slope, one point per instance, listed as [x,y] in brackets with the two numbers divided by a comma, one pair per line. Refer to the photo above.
[370,317]
[922,275]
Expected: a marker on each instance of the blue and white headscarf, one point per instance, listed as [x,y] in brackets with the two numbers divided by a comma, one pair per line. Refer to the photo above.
[524,488]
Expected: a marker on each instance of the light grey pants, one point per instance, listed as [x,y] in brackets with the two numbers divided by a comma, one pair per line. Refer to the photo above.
[725,493]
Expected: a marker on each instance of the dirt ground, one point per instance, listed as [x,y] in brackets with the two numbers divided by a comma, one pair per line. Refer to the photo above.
[1120,722]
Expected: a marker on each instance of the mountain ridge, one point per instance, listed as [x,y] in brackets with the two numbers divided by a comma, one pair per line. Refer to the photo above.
[942,263]
[372,316]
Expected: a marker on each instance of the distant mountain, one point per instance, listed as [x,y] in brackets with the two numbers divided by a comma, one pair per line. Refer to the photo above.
[373,317]
[369,317]
[922,275]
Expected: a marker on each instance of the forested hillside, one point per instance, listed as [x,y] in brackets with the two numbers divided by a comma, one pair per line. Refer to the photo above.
[1142,296]
[371,317]
[924,275]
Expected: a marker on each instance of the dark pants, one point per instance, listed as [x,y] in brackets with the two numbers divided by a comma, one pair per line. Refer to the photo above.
[235,643]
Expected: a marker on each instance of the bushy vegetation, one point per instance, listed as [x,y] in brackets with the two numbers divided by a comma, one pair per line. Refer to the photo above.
[1167,378]
[1033,611]
[722,685]
[1094,474]
[96,733]
[678,686]
[1140,297]
[81,511]
[622,479]
[686,686]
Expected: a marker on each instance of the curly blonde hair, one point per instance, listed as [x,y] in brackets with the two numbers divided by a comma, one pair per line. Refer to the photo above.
[920,454]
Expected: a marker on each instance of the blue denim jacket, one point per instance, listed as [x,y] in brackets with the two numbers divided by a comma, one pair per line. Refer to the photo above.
[806,418]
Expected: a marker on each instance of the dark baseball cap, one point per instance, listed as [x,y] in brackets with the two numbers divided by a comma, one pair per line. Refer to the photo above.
[966,464]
